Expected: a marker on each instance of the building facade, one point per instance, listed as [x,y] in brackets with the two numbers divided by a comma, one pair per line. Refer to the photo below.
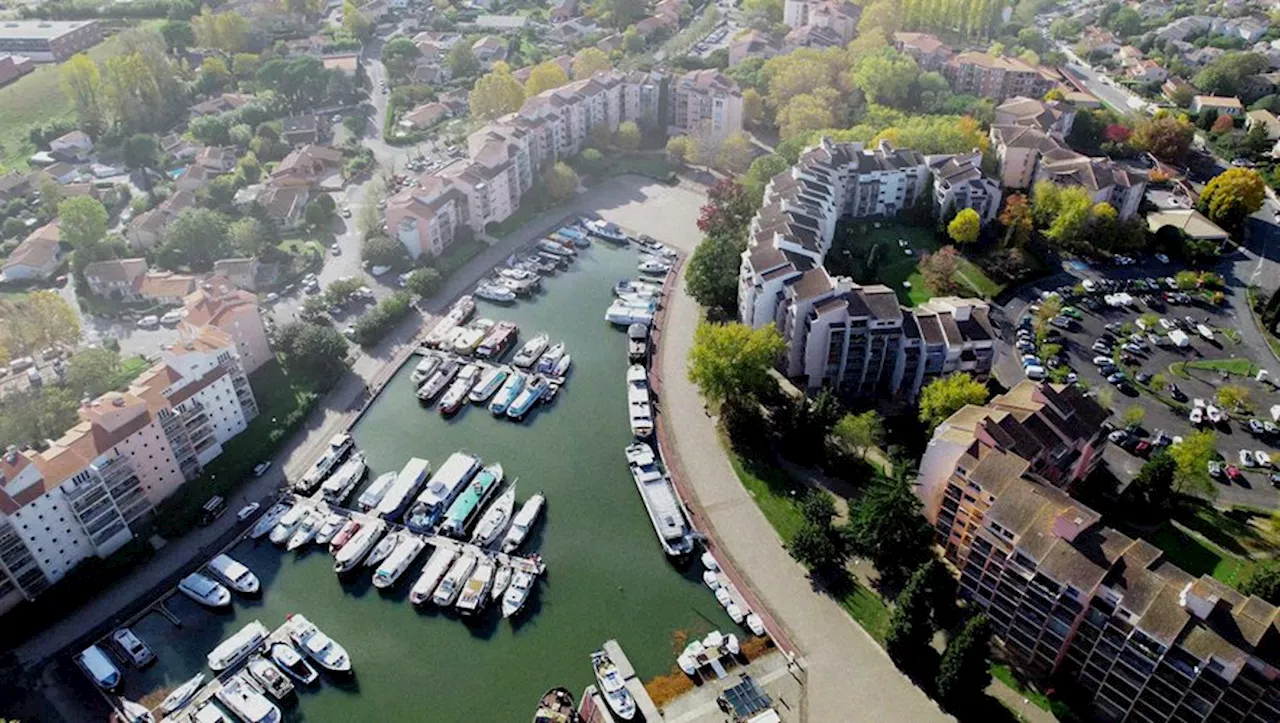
[48,41]
[958,183]
[990,76]
[705,103]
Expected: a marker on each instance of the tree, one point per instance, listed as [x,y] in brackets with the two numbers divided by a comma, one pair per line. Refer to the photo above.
[93,372]
[1165,136]
[735,153]
[629,136]
[945,396]
[1192,456]
[680,149]
[81,81]
[194,240]
[82,221]
[818,544]
[711,277]
[887,527]
[886,77]
[355,125]
[589,61]
[249,236]
[214,73]
[462,61]
[316,216]
[1133,416]
[1227,74]
[545,76]
[496,94]
[1151,491]
[400,55]
[1017,220]
[861,432]
[1232,195]
[1264,582]
[965,227]
[141,152]
[225,31]
[560,182]
[632,41]
[728,211]
[178,35]
[882,18]
[731,362]
[354,22]
[939,269]
[1235,397]
[965,667]
[1222,124]
[620,14]
[763,13]
[910,626]
[806,112]
[317,352]
[424,282]
[40,320]
[379,250]
[762,170]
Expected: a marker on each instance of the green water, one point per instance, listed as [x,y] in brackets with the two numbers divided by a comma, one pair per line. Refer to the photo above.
[606,575]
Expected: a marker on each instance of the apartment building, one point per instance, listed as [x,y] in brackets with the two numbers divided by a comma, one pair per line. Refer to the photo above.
[87,491]
[48,41]
[426,219]
[958,182]
[1104,179]
[1053,117]
[840,18]
[705,103]
[928,50]
[990,76]
[218,304]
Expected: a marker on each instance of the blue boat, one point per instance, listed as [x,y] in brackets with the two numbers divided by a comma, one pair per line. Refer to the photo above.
[445,486]
[508,393]
[524,401]
[467,506]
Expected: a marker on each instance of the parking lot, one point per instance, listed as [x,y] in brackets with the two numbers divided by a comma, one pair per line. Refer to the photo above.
[1164,351]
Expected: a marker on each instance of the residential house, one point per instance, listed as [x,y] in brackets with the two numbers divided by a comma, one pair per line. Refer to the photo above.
[929,52]
[1175,86]
[1020,149]
[1099,40]
[14,185]
[958,183]
[1266,119]
[298,130]
[118,279]
[989,76]
[840,18]
[221,103]
[1201,57]
[705,102]
[13,67]
[284,204]
[1189,223]
[218,304]
[165,287]
[181,148]
[610,43]
[147,228]
[244,273]
[1104,179]
[562,10]
[309,166]
[347,64]
[192,178]
[1147,71]
[753,44]
[61,173]
[426,219]
[216,159]
[489,49]
[818,37]
[1052,117]
[36,258]
[1223,105]
[425,116]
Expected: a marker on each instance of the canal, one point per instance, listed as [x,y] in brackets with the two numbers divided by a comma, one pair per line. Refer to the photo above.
[606,575]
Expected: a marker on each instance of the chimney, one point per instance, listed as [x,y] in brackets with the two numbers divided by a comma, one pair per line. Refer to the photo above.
[11,454]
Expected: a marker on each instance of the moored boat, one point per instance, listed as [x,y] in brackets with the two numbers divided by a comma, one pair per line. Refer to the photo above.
[654,267]
[471,336]
[531,350]
[550,358]
[522,523]
[556,706]
[236,575]
[475,593]
[205,591]
[639,410]
[493,523]
[498,341]
[332,524]
[447,591]
[501,579]
[338,487]
[607,231]
[494,292]
[755,625]
[441,491]
[398,561]
[660,501]
[182,695]
[133,712]
[456,395]
[491,380]
[517,593]
[410,479]
[325,651]
[237,647]
[424,369]
[562,367]
[626,314]
[385,547]
[511,389]
[307,531]
[353,552]
[556,248]
[292,662]
[529,396]
[465,508]
[268,521]
[246,702]
[637,287]
[612,686]
[269,677]
[432,572]
[289,522]
[344,535]
[376,490]
[439,380]
[333,455]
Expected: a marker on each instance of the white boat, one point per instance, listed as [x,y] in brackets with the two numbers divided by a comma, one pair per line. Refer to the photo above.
[338,487]
[424,369]
[456,395]
[247,511]
[133,712]
[731,644]
[237,647]
[660,501]
[351,554]
[291,661]
[735,613]
[507,394]
[332,524]
[325,651]
[550,358]
[289,522]
[612,686]
[333,455]
[438,381]
[724,597]
[205,591]
[655,267]
[268,521]
[517,593]
[556,248]
[207,712]
[637,287]
[269,678]
[240,578]
[383,549]
[448,589]
[755,625]
[709,562]
[523,522]
[495,292]
[491,380]
[501,579]
[606,231]
[443,488]
[376,490]
[624,314]
[437,565]
[307,531]
[518,274]
[561,369]
[411,478]
[246,702]
[181,695]
[531,351]
[530,395]
[475,593]
[710,579]
[493,523]
[660,251]
[398,561]
[136,652]
[639,410]
[471,336]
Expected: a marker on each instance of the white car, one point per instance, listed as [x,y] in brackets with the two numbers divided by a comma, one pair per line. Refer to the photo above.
[1162,258]
[247,511]
[149,321]
[171,318]
[1197,415]
[1246,458]
[1089,285]
[1168,324]
[1262,458]
[1034,372]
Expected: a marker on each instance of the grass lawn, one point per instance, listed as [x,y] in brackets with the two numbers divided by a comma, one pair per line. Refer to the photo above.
[131,367]
[1200,557]
[458,254]
[522,216]
[1005,674]
[894,266]
[1237,366]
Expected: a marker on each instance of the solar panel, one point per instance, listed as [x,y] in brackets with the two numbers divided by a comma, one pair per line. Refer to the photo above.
[747,698]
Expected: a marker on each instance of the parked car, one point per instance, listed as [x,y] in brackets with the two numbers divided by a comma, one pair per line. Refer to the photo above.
[1256,426]
[1246,458]
[1215,468]
[261,468]
[150,321]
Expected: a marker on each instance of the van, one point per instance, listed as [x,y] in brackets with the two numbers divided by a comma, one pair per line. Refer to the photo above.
[34,378]
[21,364]
[1035,373]
[99,667]
[212,510]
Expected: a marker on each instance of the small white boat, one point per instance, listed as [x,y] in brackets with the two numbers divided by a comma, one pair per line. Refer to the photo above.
[735,613]
[731,644]
[493,523]
[517,593]
[612,686]
[606,231]
[244,700]
[332,524]
[205,591]
[338,486]
[491,380]
[531,351]
[556,248]
[247,511]
[333,455]
[755,625]
[207,712]
[307,531]
[522,523]
[236,575]
[530,395]
[501,579]
[136,652]
[687,662]
[289,522]
[350,528]
[268,521]
[374,493]
[625,314]
[384,548]
[269,678]
[636,287]
[660,251]
[398,561]
[655,267]
[453,581]
[352,553]
[443,376]
[325,651]
[437,565]
[724,597]
[237,647]
[424,369]
[640,412]
[456,395]
[475,593]
[709,562]
[292,662]
[182,694]
[550,358]
[494,292]
[133,712]
[710,579]
[561,369]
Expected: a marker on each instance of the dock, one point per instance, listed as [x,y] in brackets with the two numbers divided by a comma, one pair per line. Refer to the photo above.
[207,692]
[593,707]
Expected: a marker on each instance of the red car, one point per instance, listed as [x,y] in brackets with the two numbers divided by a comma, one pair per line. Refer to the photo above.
[1142,449]
[1233,472]
[60,280]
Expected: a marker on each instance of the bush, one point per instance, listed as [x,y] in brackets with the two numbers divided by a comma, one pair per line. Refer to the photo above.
[384,317]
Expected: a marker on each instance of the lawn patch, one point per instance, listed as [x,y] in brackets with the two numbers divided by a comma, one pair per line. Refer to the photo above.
[1237,366]
[775,494]
[1198,556]
[457,255]
[1006,675]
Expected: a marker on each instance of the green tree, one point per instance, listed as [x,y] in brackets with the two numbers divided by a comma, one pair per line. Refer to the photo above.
[945,396]
[886,526]
[93,372]
[545,76]
[860,432]
[379,250]
[910,625]
[629,136]
[142,153]
[1192,456]
[317,352]
[1133,416]
[82,221]
[735,153]
[194,240]
[762,170]
[82,83]
[818,544]
[965,668]
[965,227]
[1165,136]
[806,112]
[680,149]
[1151,492]
[589,61]
[886,77]
[620,14]
[249,236]
[711,277]
[40,320]
[354,22]
[560,182]
[632,41]
[763,13]
[177,35]
[400,55]
[1232,195]
[462,60]
[731,362]
[881,18]
[496,94]
[1227,74]
[424,282]
[1264,582]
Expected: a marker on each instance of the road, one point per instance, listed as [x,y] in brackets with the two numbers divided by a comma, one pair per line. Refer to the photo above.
[1119,99]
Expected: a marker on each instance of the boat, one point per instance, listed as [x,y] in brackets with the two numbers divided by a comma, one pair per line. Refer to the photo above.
[660,251]
[374,493]
[625,314]
[269,677]
[498,341]
[755,625]
[535,262]
[333,455]
[493,523]
[710,579]
[456,396]
[501,579]
[637,287]
[236,575]
[438,381]
[344,535]
[332,524]
[352,553]
[182,695]
[490,381]
[731,644]
[606,231]
[338,487]
[637,343]
[666,513]
[709,561]
[268,521]
[448,589]
[518,274]
[556,706]
[437,565]
[324,650]
[690,658]
[136,652]
[724,597]
[398,561]
[237,647]
[654,267]
[246,702]
[471,337]
[562,367]
[531,350]
[205,591]
[494,292]
[517,593]
[207,712]
[522,523]
[556,248]
[289,522]
[475,593]
[464,509]
[530,395]
[612,686]
[411,478]
[383,549]
[507,394]
[425,368]
[133,712]
[550,358]
[307,531]
[639,410]
[291,662]
[520,287]
[735,613]
[441,491]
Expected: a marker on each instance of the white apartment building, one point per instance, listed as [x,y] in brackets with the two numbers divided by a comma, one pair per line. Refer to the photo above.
[705,103]
[958,183]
